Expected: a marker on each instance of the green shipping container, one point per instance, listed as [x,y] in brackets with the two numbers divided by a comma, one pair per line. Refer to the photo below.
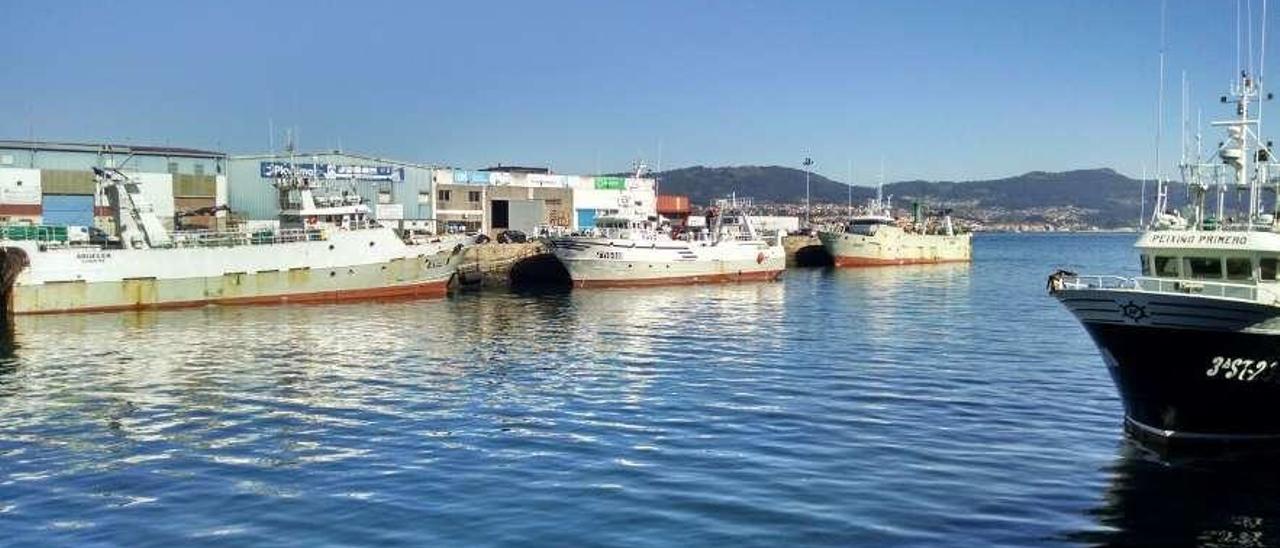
[194,186]
[67,182]
[611,183]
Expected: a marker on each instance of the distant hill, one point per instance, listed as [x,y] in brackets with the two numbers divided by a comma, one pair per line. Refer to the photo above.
[1095,197]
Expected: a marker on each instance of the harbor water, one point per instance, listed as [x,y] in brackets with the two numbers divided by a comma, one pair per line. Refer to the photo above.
[935,405]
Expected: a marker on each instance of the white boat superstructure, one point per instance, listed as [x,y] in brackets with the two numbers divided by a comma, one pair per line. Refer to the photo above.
[622,251]
[324,248]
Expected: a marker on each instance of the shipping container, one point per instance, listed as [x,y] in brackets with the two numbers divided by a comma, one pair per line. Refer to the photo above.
[66,181]
[670,204]
[195,186]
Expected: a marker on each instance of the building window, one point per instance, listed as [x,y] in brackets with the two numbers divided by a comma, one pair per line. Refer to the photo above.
[173,167]
[424,197]
[199,169]
[444,195]
[473,196]
[384,196]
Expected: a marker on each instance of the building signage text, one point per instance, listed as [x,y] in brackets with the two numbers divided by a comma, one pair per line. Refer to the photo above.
[272,170]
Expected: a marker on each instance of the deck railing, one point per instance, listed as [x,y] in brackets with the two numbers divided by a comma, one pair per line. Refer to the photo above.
[1180,286]
[212,238]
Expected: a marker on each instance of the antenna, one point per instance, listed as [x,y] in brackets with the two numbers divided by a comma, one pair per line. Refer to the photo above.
[1262,64]
[1249,32]
[1183,129]
[1160,190]
[1142,202]
[880,187]
[850,189]
[658,174]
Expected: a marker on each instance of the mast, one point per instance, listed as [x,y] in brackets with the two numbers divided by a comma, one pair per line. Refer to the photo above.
[880,185]
[1142,202]
[850,189]
[1161,192]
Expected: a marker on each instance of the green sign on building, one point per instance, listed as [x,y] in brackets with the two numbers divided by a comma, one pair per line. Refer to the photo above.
[611,183]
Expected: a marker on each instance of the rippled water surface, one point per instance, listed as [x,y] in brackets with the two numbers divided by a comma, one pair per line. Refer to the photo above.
[945,405]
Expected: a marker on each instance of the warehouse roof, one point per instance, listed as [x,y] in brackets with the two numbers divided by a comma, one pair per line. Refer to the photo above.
[111,148]
[519,169]
[304,156]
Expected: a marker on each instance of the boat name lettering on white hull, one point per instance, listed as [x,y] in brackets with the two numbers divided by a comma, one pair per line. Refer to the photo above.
[93,256]
[1199,239]
[609,255]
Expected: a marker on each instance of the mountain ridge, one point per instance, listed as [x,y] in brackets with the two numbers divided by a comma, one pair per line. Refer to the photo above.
[1096,197]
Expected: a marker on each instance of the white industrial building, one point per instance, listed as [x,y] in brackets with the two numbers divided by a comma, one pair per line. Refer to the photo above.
[52,183]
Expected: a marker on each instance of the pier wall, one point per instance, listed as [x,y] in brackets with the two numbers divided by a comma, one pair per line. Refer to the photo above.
[805,251]
[491,264]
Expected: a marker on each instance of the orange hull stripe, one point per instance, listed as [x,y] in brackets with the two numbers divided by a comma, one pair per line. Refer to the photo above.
[763,275]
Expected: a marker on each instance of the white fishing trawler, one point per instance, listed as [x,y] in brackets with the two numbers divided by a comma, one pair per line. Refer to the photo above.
[626,251]
[1193,342]
[875,238]
[325,248]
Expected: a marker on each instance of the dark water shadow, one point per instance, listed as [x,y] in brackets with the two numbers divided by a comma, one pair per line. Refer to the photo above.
[8,350]
[813,256]
[543,270]
[1166,500]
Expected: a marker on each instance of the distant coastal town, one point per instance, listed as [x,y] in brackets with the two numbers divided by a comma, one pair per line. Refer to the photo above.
[967,217]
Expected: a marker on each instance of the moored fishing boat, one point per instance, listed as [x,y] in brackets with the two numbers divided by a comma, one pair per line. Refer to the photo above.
[875,238]
[1193,342]
[622,251]
[324,248]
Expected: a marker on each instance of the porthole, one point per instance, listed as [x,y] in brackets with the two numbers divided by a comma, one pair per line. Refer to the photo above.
[332,273]
[330,247]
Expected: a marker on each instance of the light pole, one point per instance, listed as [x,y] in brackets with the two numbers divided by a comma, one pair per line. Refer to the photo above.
[808,215]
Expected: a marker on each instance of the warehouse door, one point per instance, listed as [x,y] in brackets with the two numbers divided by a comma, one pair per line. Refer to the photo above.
[586,218]
[72,209]
[501,214]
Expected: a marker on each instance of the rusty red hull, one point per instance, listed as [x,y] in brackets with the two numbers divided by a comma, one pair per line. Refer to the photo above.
[432,289]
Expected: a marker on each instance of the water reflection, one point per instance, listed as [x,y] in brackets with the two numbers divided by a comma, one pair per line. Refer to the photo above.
[850,407]
[1193,501]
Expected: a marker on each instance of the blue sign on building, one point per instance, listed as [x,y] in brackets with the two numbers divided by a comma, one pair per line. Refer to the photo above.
[271,170]
[464,177]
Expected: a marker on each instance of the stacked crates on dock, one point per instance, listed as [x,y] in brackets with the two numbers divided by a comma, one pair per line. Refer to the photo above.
[29,232]
[68,197]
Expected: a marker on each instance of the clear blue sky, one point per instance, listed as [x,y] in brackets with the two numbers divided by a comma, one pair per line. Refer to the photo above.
[941,89]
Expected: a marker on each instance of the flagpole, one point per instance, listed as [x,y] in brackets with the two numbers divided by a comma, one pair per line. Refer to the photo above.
[808,212]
